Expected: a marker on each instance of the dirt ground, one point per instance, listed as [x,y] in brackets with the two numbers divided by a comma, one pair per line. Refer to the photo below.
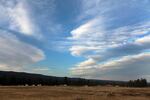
[73,93]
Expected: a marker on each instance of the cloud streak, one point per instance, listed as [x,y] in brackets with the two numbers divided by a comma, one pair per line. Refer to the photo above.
[16,17]
[118,69]
[109,39]
[16,55]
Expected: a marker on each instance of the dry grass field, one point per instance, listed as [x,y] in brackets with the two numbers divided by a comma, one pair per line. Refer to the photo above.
[73,93]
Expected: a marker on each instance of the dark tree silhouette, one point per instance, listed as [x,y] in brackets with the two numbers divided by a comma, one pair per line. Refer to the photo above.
[66,80]
[20,78]
[137,83]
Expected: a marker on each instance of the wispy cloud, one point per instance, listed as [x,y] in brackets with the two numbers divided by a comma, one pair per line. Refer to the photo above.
[15,54]
[110,31]
[118,69]
[17,17]
[20,20]
[34,18]
[106,33]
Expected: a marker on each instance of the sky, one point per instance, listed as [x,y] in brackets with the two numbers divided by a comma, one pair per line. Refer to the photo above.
[96,39]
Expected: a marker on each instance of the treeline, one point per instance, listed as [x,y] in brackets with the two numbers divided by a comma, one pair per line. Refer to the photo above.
[20,78]
[137,83]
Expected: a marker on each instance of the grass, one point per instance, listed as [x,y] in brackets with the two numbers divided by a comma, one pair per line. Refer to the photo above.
[73,93]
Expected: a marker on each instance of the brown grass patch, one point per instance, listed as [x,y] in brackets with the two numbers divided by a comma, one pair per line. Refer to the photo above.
[73,93]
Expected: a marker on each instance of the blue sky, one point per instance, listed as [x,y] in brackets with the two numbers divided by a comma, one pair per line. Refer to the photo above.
[99,39]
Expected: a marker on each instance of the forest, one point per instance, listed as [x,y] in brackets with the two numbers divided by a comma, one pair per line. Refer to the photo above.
[28,79]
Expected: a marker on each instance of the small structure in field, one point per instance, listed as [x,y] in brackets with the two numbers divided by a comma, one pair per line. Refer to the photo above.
[65,84]
[39,85]
[26,85]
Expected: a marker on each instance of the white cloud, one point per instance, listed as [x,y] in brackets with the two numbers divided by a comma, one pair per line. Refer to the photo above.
[92,28]
[106,35]
[16,16]
[94,8]
[126,60]
[15,54]
[79,50]
[138,63]
[143,40]
[20,20]
[86,63]
[91,38]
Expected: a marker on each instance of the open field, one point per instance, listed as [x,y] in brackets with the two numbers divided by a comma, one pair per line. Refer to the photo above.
[73,93]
